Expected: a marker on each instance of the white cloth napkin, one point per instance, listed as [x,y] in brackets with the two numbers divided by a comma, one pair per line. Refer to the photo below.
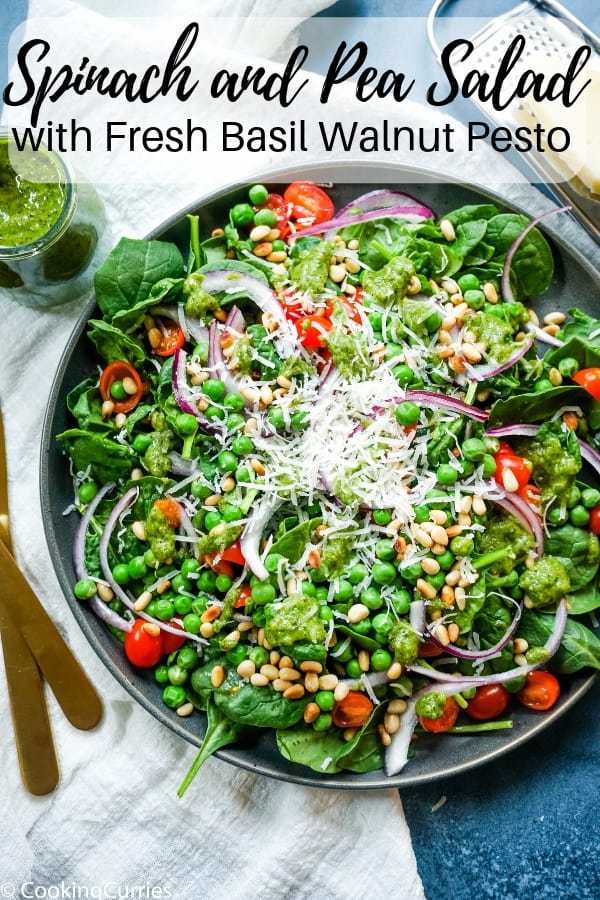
[114,821]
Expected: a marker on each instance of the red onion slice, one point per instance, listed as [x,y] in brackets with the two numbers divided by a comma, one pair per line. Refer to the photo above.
[382,199]
[235,320]
[519,430]
[184,396]
[121,507]
[543,336]
[461,653]
[217,364]
[230,282]
[506,289]
[591,456]
[480,373]
[396,754]
[526,515]
[412,213]
[441,401]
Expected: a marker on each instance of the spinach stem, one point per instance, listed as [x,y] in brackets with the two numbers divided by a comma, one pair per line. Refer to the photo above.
[195,239]
[481,726]
[487,559]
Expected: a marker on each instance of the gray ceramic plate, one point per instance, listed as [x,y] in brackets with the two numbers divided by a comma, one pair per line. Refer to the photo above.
[437,756]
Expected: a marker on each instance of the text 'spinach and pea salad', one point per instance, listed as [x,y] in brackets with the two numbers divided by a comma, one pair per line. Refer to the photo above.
[328,485]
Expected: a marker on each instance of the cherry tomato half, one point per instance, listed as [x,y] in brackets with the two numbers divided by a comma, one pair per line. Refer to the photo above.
[446,721]
[589,379]
[173,338]
[311,331]
[489,701]
[245,592]
[541,691]
[428,649]
[233,554]
[309,201]
[171,642]
[518,465]
[117,371]
[594,523]
[353,711]
[141,648]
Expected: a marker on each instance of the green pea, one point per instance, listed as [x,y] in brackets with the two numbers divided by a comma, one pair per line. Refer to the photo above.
[258,194]
[308,588]
[466,467]
[121,573]
[375,320]
[212,519]
[234,402]
[177,675]
[412,573]
[206,581]
[200,604]
[437,581]
[85,588]
[446,474]
[325,700]
[180,583]
[165,609]
[579,516]
[344,591]
[214,389]
[237,654]
[192,623]
[137,567]
[259,656]
[384,550]
[468,282]
[226,461]
[353,669]
[474,449]
[299,420]
[557,516]
[325,614]
[568,366]
[401,601]
[263,593]
[543,384]
[189,567]
[278,245]
[174,696]
[407,413]
[259,618]
[223,583]
[384,573]
[211,413]
[445,560]
[151,609]
[475,298]
[231,512]
[265,217]
[235,421]
[161,674]
[403,374]
[272,562]
[323,722]
[462,545]
[358,573]
[321,594]
[382,516]
[421,514]
[393,350]
[243,475]
[242,445]
[87,491]
[186,423]
[381,660]
[276,417]
[182,604]
[187,658]
[488,466]
[491,444]
[371,598]
[574,496]
[344,655]
[318,575]
[590,497]
[382,622]
[200,351]
[242,214]
[433,322]
[117,391]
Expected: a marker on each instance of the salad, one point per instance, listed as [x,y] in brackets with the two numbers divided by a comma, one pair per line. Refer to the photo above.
[335,477]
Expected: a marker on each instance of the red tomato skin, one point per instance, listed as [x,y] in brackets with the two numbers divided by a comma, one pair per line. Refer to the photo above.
[171,642]
[245,592]
[594,523]
[489,702]
[311,331]
[518,465]
[116,371]
[353,711]
[309,201]
[143,650]
[589,379]
[541,691]
[281,209]
[173,340]
[446,721]
[233,554]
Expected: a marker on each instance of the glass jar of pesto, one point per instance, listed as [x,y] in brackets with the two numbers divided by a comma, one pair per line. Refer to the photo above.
[50,226]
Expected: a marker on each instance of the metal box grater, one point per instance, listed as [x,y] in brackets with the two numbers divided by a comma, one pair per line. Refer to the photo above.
[552,33]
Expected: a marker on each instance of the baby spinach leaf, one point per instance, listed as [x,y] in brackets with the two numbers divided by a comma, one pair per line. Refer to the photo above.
[220,732]
[127,275]
[586,353]
[362,640]
[293,543]
[471,213]
[580,647]
[578,550]
[534,407]
[85,404]
[233,266]
[261,706]
[366,754]
[585,600]
[105,459]
[111,343]
[581,325]
[317,750]
[533,265]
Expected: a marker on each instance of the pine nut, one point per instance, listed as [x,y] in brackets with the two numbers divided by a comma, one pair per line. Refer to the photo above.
[280,685]
[357,612]
[245,626]
[447,229]
[337,273]
[328,682]
[251,394]
[520,645]
[257,466]
[424,539]
[349,733]
[286,663]
[449,284]
[479,507]
[295,692]
[289,674]
[430,566]
[384,737]
[311,665]
[277,256]
[264,249]
[555,377]
[155,338]
[447,595]
[207,629]
[186,709]
[274,657]
[427,590]
[551,329]
[460,309]
[391,722]
[464,519]
[139,530]
[453,632]
[341,691]
[142,601]
[439,535]
[311,682]
[460,597]
[108,408]
[210,614]
[105,592]
[471,353]
[213,500]
[151,629]
[509,481]
[284,382]
[394,671]
[490,293]
[274,234]
[311,713]
[259,233]
[164,586]
[269,671]
[438,549]
[453,530]
[554,318]
[228,485]
[202,404]
[217,676]
[445,352]
[441,633]
[246,668]
[352,265]
[364,660]
[266,395]
[259,680]
[444,337]
[438,516]
[414,285]
[129,386]
[397,706]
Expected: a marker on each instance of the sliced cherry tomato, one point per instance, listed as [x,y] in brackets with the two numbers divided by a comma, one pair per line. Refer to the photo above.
[281,208]
[171,642]
[530,494]
[518,465]
[541,691]
[219,565]
[489,701]
[428,649]
[353,711]
[589,379]
[309,201]
[311,331]
[245,592]
[594,523]
[173,338]
[446,721]
[292,304]
[141,648]
[233,554]
[170,509]
[117,371]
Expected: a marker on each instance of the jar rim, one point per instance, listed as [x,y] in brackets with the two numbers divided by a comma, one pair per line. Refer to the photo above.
[57,228]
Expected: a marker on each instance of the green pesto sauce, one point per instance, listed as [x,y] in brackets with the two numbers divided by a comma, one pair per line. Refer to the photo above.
[546,582]
[199,303]
[389,283]
[297,619]
[242,358]
[496,333]
[504,532]
[311,270]
[404,643]
[218,539]
[30,202]
[431,705]
[554,467]
[349,353]
[336,555]
[160,535]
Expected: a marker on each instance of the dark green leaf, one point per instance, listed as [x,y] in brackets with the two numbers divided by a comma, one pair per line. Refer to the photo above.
[220,732]
[105,459]
[534,407]
[533,265]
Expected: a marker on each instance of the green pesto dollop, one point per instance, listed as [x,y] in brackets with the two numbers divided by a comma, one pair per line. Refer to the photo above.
[294,366]
[311,270]
[504,533]
[556,459]
[224,620]
[389,283]
[242,359]
[296,619]
[404,643]
[349,353]
[160,535]
[219,538]
[546,582]
[199,303]
[31,200]
[431,705]
[496,333]
[156,459]
[336,554]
